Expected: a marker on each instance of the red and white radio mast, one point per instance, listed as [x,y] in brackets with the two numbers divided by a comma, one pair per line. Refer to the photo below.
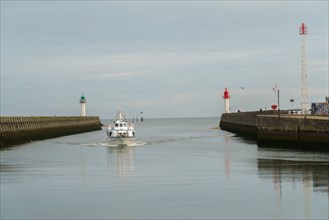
[304,90]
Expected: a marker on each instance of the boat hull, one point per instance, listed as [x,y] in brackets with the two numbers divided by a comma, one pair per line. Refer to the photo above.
[122,140]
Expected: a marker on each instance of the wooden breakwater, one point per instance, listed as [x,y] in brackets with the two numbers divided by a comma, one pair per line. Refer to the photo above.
[271,129]
[19,130]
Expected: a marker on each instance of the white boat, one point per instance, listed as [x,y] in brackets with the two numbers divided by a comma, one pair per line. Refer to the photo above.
[120,131]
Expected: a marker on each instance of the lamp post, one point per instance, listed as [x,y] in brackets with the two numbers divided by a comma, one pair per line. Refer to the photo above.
[279,99]
[292,103]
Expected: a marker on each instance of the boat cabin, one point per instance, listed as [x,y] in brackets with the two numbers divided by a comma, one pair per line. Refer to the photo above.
[120,125]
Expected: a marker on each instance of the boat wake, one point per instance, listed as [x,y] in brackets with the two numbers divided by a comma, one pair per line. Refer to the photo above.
[109,144]
[149,141]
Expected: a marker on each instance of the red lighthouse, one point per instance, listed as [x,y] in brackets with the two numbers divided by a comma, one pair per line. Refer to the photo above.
[226,98]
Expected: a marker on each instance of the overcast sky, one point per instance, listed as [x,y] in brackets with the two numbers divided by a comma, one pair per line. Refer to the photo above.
[165,58]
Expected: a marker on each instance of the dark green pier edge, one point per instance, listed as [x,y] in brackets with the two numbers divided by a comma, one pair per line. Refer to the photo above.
[19,130]
[271,129]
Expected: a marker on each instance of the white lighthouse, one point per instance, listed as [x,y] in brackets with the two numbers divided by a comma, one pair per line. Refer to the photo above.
[83,105]
[226,98]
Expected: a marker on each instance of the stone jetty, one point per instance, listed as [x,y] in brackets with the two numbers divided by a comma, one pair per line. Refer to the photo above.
[274,129]
[18,130]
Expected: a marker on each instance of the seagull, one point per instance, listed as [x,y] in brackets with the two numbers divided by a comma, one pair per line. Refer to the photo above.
[241,87]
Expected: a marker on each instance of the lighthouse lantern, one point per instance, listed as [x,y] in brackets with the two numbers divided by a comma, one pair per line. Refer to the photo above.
[83,105]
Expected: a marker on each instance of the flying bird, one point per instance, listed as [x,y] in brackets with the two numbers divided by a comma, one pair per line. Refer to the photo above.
[241,87]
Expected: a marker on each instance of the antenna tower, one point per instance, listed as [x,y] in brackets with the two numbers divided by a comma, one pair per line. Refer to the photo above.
[304,90]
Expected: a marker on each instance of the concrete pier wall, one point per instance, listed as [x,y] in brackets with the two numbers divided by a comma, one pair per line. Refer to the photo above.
[243,123]
[284,130]
[293,131]
[19,130]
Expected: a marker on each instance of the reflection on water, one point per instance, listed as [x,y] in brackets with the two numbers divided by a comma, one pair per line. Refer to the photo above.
[120,160]
[227,139]
[314,177]
[290,172]
[315,174]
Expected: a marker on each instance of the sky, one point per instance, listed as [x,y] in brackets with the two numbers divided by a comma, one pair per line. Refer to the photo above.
[162,58]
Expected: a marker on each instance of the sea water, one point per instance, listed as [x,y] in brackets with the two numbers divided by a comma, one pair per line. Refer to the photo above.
[177,169]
